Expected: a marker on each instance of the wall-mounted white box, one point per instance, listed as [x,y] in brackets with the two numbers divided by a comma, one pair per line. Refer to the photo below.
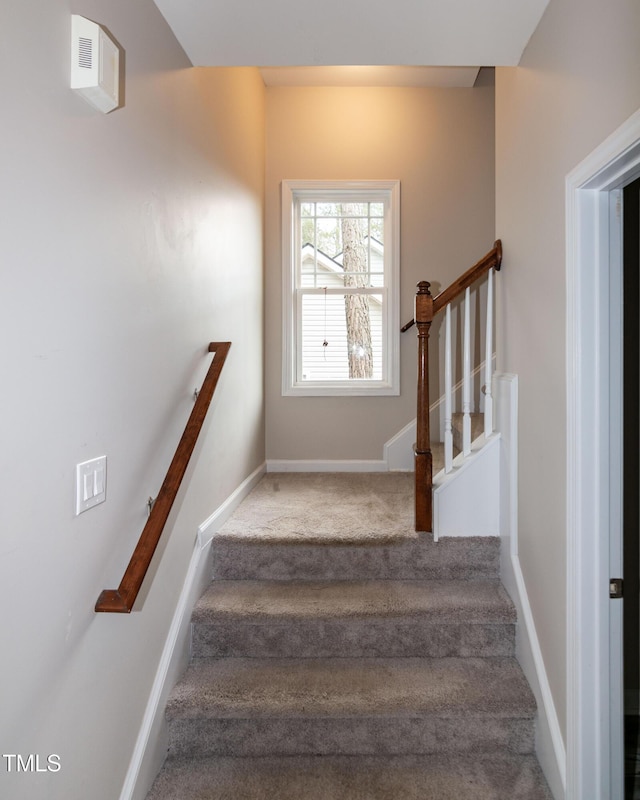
[95,64]
[91,483]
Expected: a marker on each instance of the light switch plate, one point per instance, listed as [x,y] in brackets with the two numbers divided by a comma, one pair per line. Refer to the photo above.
[91,483]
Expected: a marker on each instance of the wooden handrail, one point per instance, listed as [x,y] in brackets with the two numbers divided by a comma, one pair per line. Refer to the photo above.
[492,259]
[426,307]
[121,600]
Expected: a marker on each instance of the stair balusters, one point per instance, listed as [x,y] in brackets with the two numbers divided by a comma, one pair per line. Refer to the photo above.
[426,307]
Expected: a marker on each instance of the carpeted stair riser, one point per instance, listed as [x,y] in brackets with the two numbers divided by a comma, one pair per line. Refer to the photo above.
[485,777]
[349,638]
[419,558]
[262,619]
[386,736]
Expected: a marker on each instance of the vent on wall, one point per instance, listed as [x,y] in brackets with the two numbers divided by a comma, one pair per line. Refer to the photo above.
[85,52]
[95,64]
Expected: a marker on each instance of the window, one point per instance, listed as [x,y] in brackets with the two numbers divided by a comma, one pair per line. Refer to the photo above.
[341,274]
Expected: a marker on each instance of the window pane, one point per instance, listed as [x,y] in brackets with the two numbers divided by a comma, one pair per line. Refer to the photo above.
[307,230]
[307,209]
[328,209]
[355,256]
[377,258]
[377,228]
[376,209]
[355,209]
[308,264]
[329,238]
[341,337]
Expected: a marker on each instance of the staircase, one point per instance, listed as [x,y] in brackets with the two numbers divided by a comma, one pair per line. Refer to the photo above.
[338,655]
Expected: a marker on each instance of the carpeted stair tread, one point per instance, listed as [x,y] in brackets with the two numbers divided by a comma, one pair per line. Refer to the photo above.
[343,687]
[485,777]
[454,601]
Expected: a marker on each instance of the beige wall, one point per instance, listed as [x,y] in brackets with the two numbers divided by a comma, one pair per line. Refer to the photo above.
[127,243]
[440,144]
[579,79]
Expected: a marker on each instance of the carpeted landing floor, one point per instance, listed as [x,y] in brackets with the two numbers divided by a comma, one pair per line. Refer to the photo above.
[351,508]
[338,655]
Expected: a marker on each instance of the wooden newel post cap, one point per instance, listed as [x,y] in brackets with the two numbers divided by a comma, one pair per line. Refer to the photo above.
[423,304]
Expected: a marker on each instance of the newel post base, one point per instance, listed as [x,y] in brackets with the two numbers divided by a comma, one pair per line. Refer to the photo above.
[424,491]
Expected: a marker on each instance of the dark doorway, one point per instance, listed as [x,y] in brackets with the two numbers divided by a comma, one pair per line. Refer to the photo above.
[631,473]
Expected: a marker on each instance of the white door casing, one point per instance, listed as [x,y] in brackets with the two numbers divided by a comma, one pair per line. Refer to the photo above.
[594,397]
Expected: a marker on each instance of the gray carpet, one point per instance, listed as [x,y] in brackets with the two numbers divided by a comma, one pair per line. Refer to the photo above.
[337,654]
[376,618]
[326,508]
[495,777]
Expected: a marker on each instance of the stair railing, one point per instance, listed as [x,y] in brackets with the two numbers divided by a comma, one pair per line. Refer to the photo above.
[121,600]
[426,307]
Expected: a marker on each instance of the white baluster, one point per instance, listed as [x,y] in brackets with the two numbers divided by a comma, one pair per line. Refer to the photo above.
[448,391]
[466,377]
[488,356]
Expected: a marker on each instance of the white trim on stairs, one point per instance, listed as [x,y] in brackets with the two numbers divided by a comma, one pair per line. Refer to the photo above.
[224,511]
[150,749]
[398,451]
[476,478]
[549,742]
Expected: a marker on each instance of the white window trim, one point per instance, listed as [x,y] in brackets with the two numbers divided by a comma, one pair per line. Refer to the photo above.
[390,385]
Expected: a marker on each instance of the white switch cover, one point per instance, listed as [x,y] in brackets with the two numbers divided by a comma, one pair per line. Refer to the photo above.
[91,483]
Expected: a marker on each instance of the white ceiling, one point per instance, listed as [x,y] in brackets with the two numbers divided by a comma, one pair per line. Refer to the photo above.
[297,33]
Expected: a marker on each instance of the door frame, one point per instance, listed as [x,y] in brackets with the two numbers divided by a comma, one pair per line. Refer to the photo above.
[594,458]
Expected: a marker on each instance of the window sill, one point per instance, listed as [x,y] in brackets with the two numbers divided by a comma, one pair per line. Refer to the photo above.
[341,389]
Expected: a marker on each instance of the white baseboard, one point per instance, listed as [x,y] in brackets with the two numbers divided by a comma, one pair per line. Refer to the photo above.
[151,745]
[224,511]
[313,465]
[550,747]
